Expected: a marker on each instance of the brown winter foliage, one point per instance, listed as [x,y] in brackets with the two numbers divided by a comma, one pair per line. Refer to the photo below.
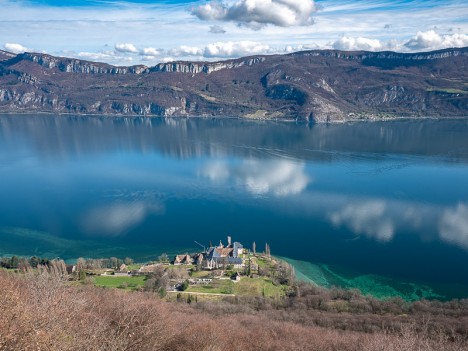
[41,311]
[350,310]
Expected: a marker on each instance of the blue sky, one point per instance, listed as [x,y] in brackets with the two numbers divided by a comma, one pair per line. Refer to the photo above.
[143,31]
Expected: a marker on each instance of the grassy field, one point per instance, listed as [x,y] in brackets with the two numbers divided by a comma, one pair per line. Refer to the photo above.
[200,274]
[258,287]
[245,287]
[217,287]
[129,283]
[261,262]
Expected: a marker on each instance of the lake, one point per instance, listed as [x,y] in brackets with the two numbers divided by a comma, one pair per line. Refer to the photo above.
[379,206]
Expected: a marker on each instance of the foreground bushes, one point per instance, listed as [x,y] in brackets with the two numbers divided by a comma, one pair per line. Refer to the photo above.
[39,311]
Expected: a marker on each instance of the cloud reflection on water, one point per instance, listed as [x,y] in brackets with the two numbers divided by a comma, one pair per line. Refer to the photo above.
[453,225]
[382,219]
[260,177]
[369,218]
[114,219]
[377,218]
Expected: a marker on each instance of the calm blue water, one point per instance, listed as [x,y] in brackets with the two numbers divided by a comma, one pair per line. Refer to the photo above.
[378,206]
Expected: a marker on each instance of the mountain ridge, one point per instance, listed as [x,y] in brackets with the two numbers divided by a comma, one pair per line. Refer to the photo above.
[316,85]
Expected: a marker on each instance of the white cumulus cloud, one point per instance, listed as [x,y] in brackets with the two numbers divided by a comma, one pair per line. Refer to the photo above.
[360,43]
[126,47]
[431,40]
[15,48]
[424,40]
[234,49]
[185,50]
[151,52]
[283,13]
[217,50]
[211,11]
[455,40]
[453,225]
[428,40]
[104,56]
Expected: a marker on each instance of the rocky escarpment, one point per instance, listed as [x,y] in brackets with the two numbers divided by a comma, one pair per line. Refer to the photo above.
[75,66]
[322,86]
[195,68]
[79,66]
[385,55]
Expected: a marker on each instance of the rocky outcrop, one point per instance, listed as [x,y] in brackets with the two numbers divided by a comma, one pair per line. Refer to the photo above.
[76,66]
[385,55]
[320,86]
[79,66]
[195,68]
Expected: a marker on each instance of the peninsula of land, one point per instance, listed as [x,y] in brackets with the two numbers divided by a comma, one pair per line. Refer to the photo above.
[222,296]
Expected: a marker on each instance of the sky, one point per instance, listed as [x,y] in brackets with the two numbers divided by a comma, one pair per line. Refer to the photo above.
[130,32]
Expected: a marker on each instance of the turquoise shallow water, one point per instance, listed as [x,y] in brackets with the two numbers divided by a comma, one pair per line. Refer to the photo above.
[377,206]
[368,284]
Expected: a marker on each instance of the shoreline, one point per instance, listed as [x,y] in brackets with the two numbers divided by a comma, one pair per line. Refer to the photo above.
[298,120]
[377,286]
[324,276]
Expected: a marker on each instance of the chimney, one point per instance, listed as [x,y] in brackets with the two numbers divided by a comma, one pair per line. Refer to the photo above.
[229,241]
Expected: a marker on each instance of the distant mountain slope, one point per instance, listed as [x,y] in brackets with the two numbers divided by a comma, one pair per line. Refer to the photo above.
[325,85]
[5,55]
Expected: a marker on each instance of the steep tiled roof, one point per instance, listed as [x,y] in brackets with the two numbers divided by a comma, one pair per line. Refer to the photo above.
[224,252]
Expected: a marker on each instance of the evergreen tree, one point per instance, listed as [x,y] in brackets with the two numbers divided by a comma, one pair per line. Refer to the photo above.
[185,285]
[82,275]
[162,292]
[34,261]
[14,262]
